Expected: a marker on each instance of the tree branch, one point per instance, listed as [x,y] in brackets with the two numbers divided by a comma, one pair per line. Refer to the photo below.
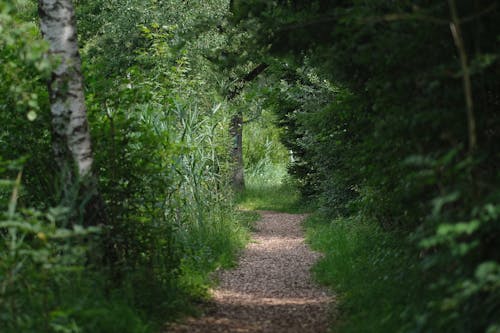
[251,119]
[238,87]
[479,14]
[427,18]
[464,64]
[301,25]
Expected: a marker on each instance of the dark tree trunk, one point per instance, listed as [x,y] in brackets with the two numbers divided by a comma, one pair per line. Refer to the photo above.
[236,129]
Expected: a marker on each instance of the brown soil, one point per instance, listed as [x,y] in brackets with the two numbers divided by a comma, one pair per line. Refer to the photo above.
[271,290]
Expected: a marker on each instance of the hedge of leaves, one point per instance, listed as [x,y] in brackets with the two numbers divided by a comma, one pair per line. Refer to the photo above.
[372,97]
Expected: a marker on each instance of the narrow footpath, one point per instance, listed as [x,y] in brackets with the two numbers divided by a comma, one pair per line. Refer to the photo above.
[271,290]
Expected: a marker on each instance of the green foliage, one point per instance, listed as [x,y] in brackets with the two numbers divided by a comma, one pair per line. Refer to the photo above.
[161,144]
[267,184]
[378,134]
[378,283]
[277,197]
[161,150]
[272,189]
[37,259]
[24,101]
[262,150]
[371,99]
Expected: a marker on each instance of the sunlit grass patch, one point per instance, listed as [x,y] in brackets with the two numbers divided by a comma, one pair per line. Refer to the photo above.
[271,189]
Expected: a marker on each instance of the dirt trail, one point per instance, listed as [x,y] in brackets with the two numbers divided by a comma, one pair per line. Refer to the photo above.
[271,290]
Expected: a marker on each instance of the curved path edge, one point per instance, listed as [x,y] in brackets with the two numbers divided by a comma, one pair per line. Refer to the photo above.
[271,290]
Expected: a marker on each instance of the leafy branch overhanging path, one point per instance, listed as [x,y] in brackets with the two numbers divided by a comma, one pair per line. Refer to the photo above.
[271,290]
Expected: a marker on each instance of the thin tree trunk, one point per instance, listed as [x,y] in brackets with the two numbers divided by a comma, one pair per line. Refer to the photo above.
[236,129]
[456,31]
[70,132]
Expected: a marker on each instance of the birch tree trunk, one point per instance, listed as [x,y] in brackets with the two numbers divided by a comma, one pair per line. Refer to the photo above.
[70,132]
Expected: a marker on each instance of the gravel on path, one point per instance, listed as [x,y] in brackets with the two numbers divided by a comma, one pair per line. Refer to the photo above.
[271,290]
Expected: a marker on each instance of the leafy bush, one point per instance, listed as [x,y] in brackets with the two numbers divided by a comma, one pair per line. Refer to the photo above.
[161,148]
[373,273]
[378,101]
[38,257]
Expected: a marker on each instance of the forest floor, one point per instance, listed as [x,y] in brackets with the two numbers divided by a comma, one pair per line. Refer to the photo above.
[271,290]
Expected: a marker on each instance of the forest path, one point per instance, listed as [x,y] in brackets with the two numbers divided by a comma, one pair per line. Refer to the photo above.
[271,290]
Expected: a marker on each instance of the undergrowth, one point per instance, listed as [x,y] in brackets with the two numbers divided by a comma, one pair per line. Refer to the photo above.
[272,189]
[373,273]
[161,151]
[68,294]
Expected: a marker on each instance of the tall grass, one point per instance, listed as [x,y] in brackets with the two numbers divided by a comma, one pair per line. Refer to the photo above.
[267,183]
[372,272]
[172,222]
[271,189]
[186,226]
[161,149]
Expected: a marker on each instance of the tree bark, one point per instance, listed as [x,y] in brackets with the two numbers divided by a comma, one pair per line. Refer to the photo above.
[236,129]
[71,142]
[247,78]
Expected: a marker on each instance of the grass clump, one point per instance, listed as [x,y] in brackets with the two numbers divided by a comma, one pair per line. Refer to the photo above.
[372,272]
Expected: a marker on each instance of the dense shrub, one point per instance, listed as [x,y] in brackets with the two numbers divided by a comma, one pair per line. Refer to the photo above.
[373,102]
[161,148]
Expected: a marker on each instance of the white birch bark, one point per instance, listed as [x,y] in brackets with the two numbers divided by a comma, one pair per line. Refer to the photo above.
[71,137]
